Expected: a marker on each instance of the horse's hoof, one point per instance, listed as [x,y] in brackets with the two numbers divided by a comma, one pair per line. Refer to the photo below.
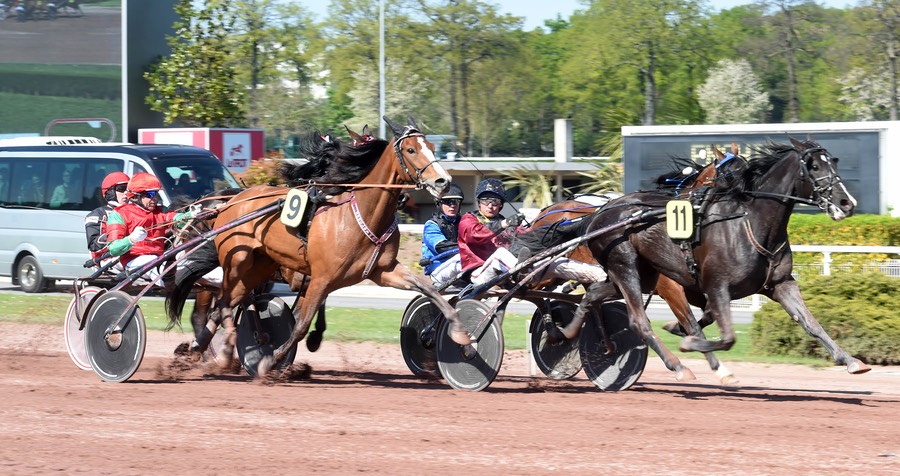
[265,365]
[313,341]
[857,367]
[684,374]
[729,381]
[726,377]
[461,337]
[673,327]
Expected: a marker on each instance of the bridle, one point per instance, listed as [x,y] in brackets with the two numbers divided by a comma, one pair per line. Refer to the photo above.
[405,164]
[822,187]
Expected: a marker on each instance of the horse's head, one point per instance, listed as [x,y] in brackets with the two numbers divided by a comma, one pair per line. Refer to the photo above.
[416,159]
[821,181]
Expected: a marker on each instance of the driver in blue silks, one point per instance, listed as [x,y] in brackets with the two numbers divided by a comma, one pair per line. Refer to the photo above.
[440,251]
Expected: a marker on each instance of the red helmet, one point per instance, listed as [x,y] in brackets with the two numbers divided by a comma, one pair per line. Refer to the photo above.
[112,180]
[142,181]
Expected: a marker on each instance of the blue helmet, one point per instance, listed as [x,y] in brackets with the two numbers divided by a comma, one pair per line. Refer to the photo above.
[490,186]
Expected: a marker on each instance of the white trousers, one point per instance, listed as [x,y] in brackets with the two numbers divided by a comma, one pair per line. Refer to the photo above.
[446,271]
[211,279]
[564,268]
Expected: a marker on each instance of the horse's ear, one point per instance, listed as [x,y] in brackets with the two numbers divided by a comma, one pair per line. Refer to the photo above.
[734,148]
[395,128]
[797,144]
[353,136]
[366,131]
[719,154]
[412,123]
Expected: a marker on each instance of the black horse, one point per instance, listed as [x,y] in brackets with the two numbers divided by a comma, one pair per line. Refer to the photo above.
[740,246]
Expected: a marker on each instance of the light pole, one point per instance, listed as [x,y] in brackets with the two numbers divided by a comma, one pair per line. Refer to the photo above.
[381,132]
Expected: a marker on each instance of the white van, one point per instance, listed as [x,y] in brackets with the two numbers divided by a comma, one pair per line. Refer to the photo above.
[42,239]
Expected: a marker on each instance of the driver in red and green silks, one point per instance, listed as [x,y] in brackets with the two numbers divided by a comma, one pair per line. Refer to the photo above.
[136,230]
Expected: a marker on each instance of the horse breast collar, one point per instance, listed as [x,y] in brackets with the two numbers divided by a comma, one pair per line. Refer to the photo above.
[378,241]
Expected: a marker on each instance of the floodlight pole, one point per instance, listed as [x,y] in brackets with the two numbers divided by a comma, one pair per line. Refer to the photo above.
[381,132]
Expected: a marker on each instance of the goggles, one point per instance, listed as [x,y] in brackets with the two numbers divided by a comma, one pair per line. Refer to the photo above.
[122,187]
[490,201]
[151,194]
[451,202]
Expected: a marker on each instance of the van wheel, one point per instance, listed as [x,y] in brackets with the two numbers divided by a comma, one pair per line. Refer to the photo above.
[31,278]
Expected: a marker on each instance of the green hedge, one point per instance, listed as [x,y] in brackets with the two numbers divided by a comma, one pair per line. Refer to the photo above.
[861,312]
[75,81]
[860,230]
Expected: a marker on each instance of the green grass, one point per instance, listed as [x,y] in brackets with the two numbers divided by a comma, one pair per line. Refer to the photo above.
[25,113]
[370,325]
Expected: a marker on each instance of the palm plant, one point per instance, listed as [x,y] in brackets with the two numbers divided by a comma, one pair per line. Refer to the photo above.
[534,188]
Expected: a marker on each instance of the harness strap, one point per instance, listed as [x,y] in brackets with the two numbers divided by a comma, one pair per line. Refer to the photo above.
[378,241]
[770,255]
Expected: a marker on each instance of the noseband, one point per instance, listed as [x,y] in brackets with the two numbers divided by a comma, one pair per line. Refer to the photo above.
[404,163]
[822,187]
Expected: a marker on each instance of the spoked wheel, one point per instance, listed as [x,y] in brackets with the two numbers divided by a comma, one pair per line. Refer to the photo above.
[619,368]
[559,360]
[74,336]
[474,366]
[258,337]
[419,353]
[115,340]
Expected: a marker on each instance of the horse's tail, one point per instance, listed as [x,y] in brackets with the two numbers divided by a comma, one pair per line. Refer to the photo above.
[201,261]
[539,239]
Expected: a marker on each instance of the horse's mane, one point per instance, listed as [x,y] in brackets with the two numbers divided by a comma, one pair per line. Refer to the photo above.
[764,157]
[331,160]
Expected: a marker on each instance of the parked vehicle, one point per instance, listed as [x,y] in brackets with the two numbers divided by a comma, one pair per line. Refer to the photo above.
[41,241]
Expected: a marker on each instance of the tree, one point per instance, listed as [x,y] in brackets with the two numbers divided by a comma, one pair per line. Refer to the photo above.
[732,94]
[637,53]
[195,85]
[882,19]
[867,95]
[463,33]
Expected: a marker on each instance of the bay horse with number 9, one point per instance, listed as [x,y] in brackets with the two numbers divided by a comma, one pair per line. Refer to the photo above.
[352,236]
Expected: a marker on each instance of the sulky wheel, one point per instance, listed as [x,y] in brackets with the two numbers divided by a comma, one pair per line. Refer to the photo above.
[418,350]
[115,340]
[560,360]
[474,366]
[619,369]
[262,330]
[75,343]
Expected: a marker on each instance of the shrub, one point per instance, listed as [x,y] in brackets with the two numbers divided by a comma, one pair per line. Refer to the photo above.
[860,312]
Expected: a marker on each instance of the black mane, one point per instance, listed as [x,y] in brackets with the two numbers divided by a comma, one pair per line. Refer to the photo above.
[332,161]
[763,159]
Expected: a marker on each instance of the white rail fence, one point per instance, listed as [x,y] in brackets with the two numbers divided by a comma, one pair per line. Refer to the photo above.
[890,267]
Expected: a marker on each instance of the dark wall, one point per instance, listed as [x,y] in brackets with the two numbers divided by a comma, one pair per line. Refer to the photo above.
[145,26]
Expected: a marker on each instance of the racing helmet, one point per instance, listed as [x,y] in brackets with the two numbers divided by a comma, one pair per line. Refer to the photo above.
[142,182]
[490,186]
[453,191]
[107,187]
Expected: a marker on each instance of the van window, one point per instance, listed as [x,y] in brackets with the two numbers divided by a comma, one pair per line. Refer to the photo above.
[193,176]
[68,184]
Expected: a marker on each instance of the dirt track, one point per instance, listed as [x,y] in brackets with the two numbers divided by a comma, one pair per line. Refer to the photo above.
[363,412]
[95,38]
